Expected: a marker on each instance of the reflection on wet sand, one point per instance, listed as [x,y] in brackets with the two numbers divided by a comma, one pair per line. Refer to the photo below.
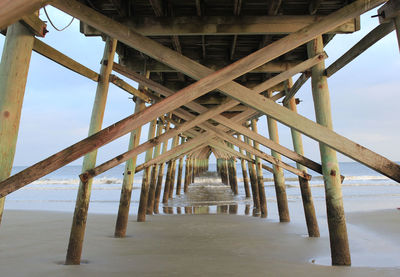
[207,195]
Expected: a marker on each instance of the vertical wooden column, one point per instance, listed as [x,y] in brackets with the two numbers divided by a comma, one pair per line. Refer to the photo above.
[253,182]
[244,173]
[308,203]
[169,173]
[160,175]
[333,188]
[187,168]
[14,69]
[279,178]
[260,177]
[224,171]
[232,173]
[144,192]
[127,183]
[154,172]
[172,183]
[82,200]
[180,169]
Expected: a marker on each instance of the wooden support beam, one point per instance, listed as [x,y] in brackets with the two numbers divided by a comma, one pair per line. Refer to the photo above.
[213,81]
[144,192]
[306,196]
[253,181]
[78,227]
[154,173]
[154,66]
[389,11]
[33,23]
[274,6]
[14,69]
[130,89]
[49,52]
[127,183]
[180,169]
[279,178]
[297,85]
[340,252]
[370,39]
[244,174]
[230,25]
[12,11]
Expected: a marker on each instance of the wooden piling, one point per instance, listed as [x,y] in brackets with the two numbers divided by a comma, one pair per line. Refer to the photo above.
[260,177]
[279,178]
[253,182]
[77,234]
[127,183]
[154,172]
[160,174]
[306,196]
[144,192]
[233,175]
[168,179]
[244,174]
[187,168]
[340,252]
[14,69]
[172,183]
[180,169]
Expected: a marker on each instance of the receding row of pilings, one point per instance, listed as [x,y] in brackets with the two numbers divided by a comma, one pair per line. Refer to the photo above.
[13,74]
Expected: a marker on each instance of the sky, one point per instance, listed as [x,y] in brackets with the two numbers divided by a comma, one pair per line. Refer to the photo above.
[58,103]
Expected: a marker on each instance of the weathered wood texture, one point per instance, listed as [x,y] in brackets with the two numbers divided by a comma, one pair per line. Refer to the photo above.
[253,181]
[144,192]
[127,183]
[306,196]
[230,25]
[78,227]
[340,252]
[14,69]
[279,178]
[33,23]
[12,11]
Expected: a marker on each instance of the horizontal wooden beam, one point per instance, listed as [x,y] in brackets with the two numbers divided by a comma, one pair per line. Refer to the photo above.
[130,89]
[56,56]
[35,24]
[12,11]
[367,41]
[138,65]
[229,25]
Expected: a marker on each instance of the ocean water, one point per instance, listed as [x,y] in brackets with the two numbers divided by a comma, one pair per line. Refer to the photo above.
[362,188]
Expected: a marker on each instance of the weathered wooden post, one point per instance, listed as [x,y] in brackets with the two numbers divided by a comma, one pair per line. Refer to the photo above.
[232,173]
[172,183]
[253,182]
[180,169]
[168,176]
[82,200]
[14,69]
[308,204]
[160,175]
[224,171]
[154,172]
[260,177]
[127,183]
[279,178]
[187,168]
[244,173]
[144,192]
[333,188]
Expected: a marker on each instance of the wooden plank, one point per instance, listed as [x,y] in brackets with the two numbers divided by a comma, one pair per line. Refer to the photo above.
[367,41]
[297,85]
[155,66]
[49,52]
[12,11]
[37,26]
[130,89]
[230,25]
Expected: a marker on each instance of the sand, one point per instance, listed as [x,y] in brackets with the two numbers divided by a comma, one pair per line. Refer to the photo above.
[34,244]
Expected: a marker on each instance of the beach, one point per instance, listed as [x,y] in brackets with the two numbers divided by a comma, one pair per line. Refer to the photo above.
[34,243]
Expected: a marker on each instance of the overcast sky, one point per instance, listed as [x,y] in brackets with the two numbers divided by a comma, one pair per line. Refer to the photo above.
[58,103]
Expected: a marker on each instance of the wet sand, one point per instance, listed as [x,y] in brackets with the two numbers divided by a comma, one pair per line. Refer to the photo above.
[34,244]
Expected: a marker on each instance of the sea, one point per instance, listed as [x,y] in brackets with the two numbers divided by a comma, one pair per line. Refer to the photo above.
[363,189]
